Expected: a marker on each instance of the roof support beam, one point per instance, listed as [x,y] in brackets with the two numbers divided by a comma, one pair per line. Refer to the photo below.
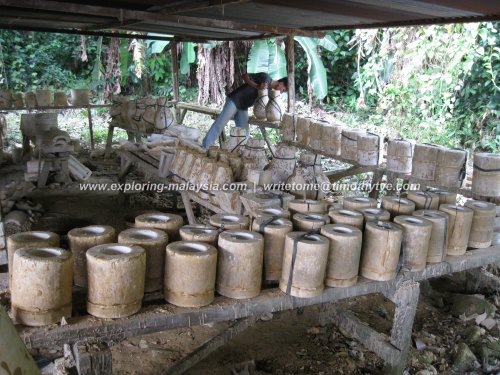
[124,14]
[89,33]
[193,5]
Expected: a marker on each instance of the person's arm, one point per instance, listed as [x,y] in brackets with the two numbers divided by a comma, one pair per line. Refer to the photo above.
[249,82]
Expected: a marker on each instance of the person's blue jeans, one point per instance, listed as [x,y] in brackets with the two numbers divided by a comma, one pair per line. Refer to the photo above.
[229,112]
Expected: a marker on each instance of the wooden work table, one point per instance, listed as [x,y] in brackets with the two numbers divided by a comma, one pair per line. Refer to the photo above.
[403,291]
[88,107]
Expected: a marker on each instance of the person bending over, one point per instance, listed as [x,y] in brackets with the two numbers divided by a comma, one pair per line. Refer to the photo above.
[238,102]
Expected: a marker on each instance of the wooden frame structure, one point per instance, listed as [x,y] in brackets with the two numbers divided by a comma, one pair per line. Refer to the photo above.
[198,21]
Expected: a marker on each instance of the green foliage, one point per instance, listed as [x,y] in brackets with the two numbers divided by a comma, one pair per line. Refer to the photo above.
[97,72]
[258,58]
[188,56]
[316,71]
[40,60]
[125,60]
[266,56]
[433,83]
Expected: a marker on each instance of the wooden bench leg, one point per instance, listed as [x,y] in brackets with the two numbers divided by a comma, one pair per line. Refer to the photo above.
[109,141]
[188,207]
[182,116]
[405,297]
[92,359]
[394,349]
[184,364]
[376,180]
[124,170]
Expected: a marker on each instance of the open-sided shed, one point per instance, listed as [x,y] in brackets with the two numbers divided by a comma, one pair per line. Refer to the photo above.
[198,20]
[236,19]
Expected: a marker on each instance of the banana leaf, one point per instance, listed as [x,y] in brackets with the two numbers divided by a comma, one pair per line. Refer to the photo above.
[188,56]
[316,70]
[97,70]
[258,60]
[157,46]
[327,42]
[125,60]
[277,61]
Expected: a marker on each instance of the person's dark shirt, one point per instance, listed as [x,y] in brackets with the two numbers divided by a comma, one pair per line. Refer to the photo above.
[244,96]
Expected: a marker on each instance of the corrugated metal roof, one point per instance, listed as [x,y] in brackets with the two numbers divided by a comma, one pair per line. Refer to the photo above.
[237,19]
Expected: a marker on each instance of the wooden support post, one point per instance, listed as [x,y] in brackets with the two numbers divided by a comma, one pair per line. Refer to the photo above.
[405,297]
[43,173]
[175,78]
[480,280]
[26,147]
[92,358]
[126,166]
[392,179]
[210,346]
[3,250]
[182,115]
[188,207]
[376,180]
[395,350]
[109,142]
[371,339]
[91,127]
[266,138]
[290,68]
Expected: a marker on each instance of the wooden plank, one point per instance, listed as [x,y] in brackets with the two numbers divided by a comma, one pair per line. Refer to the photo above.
[165,317]
[215,112]
[205,203]
[198,108]
[266,139]
[125,169]
[290,68]
[405,297]
[335,176]
[148,168]
[188,207]
[210,346]
[266,124]
[371,339]
[61,108]
[109,142]
[480,280]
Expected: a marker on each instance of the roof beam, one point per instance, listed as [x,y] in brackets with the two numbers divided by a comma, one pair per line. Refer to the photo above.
[82,32]
[193,5]
[124,15]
